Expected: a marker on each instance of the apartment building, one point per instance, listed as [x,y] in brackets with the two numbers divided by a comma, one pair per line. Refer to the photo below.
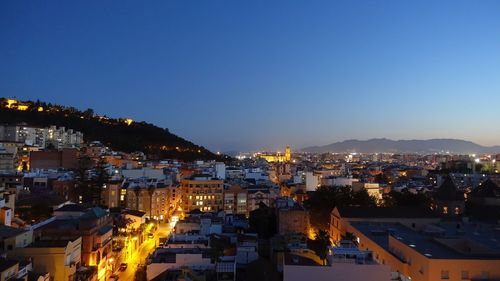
[202,192]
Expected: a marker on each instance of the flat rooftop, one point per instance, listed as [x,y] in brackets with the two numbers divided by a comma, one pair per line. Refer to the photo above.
[439,241]
[8,231]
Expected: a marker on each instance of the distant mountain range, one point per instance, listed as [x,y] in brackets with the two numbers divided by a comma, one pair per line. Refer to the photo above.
[383,145]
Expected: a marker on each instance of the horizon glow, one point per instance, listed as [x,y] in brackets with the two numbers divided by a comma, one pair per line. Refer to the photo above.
[253,75]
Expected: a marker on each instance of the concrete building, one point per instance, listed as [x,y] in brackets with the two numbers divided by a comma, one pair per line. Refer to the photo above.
[445,251]
[260,194]
[373,189]
[61,257]
[8,162]
[448,200]
[312,181]
[110,194]
[95,227]
[202,192]
[341,218]
[169,259]
[12,238]
[154,201]
[345,264]
[136,218]
[148,173]
[41,136]
[8,269]
[293,218]
[235,200]
[337,181]
[66,158]
[220,170]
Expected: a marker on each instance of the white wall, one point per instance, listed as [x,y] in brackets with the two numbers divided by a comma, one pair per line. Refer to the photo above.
[338,271]
[311,181]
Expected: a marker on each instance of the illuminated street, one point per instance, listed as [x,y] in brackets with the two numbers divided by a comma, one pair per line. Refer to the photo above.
[146,248]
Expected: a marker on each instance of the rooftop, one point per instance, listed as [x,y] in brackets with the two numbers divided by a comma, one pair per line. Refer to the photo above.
[134,213]
[291,259]
[49,244]
[439,241]
[8,231]
[71,208]
[385,212]
[94,213]
[448,191]
[6,264]
[486,189]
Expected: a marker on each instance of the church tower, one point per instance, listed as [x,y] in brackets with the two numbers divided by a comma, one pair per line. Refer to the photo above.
[288,154]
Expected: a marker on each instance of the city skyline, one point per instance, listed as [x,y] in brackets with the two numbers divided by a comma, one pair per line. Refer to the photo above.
[249,76]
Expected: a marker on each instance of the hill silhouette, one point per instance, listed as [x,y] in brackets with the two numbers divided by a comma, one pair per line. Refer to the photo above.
[120,134]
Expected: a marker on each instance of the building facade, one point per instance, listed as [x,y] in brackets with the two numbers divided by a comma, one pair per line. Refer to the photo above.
[202,192]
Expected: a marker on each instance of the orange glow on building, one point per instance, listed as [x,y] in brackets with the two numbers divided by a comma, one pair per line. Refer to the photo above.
[278,157]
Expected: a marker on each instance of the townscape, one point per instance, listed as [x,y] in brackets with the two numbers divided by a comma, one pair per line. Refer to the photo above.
[73,208]
[249,140]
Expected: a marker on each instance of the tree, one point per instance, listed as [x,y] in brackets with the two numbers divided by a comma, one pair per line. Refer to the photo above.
[406,198]
[349,236]
[151,191]
[322,242]
[137,192]
[263,221]
[381,178]
[82,180]
[89,113]
[321,202]
[99,180]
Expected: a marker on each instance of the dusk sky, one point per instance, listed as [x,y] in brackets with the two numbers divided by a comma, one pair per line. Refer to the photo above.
[245,75]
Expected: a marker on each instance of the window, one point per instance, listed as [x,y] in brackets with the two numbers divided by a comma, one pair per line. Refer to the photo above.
[445,210]
[485,275]
[445,274]
[465,275]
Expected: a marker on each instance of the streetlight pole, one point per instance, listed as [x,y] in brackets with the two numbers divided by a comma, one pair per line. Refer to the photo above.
[474,174]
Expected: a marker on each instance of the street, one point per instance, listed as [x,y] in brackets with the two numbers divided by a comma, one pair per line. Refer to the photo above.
[146,248]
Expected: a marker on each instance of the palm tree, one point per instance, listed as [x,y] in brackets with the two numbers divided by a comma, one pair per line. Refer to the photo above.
[137,191]
[322,240]
[349,236]
[151,191]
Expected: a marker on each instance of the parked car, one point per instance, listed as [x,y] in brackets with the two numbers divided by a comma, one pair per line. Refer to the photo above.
[123,267]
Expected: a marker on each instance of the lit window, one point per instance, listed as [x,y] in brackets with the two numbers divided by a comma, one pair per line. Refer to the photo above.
[445,210]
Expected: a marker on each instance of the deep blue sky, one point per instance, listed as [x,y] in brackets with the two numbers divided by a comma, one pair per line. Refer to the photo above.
[261,74]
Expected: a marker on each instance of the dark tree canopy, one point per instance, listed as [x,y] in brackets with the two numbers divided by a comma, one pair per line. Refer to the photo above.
[322,201]
[156,142]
